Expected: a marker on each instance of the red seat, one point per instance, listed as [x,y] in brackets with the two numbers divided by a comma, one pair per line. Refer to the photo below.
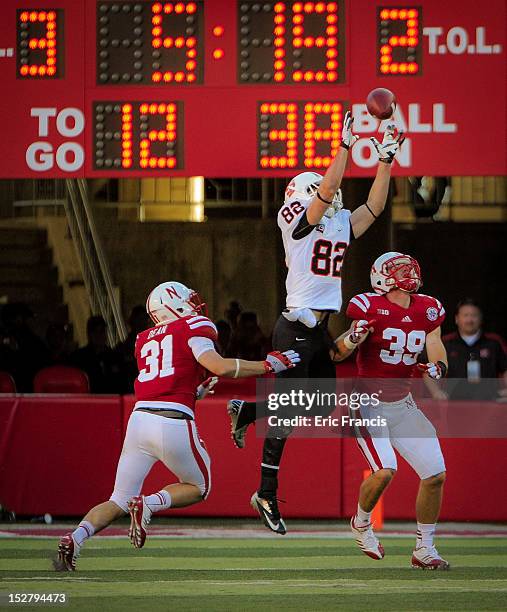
[7,384]
[61,379]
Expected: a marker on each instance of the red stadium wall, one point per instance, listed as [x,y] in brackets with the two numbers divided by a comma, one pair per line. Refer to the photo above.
[58,454]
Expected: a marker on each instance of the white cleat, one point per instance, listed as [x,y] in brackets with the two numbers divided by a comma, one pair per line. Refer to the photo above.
[427,557]
[367,540]
[140,517]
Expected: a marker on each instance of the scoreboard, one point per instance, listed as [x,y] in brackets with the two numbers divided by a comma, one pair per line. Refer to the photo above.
[244,88]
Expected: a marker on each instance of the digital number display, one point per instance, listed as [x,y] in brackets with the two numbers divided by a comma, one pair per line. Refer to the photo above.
[298,134]
[399,38]
[291,42]
[40,44]
[150,43]
[138,135]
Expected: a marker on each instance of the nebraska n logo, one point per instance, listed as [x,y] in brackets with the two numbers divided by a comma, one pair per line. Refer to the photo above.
[172,292]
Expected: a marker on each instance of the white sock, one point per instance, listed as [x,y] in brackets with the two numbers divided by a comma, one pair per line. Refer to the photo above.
[362,518]
[425,533]
[84,531]
[158,501]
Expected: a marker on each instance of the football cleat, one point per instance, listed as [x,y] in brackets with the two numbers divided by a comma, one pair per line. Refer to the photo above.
[269,513]
[68,552]
[238,434]
[367,540]
[140,517]
[427,557]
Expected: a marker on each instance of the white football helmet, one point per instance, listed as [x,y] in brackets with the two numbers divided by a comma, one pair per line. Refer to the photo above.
[171,301]
[304,186]
[395,270]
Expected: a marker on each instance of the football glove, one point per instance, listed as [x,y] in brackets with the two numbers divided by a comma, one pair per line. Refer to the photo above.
[390,144]
[278,362]
[348,138]
[433,370]
[206,387]
[359,333]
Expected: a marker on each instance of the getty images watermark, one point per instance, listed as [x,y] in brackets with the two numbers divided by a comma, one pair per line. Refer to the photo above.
[318,401]
[323,408]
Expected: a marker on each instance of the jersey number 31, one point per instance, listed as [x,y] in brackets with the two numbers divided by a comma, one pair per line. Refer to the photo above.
[154,365]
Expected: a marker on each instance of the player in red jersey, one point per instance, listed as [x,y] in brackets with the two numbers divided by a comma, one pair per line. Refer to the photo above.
[172,358]
[390,329]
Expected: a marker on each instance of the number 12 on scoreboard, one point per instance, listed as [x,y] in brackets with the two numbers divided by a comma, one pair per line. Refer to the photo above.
[138,135]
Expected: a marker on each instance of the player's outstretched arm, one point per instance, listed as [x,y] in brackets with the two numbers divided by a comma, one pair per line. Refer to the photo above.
[365,215]
[347,343]
[334,174]
[240,368]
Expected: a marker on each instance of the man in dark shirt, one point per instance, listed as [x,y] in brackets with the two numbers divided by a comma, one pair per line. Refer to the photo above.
[476,357]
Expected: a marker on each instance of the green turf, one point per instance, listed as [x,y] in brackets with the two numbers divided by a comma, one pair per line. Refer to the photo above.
[271,574]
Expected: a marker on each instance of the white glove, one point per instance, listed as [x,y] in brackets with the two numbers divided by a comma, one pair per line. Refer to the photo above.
[348,138]
[390,145]
[433,370]
[305,315]
[278,362]
[206,387]
[359,333]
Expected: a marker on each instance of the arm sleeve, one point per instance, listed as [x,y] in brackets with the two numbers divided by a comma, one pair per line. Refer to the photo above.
[303,227]
[199,345]
[357,309]
[289,217]
[202,326]
[440,316]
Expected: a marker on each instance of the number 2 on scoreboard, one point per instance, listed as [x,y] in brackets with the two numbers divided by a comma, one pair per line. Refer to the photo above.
[154,365]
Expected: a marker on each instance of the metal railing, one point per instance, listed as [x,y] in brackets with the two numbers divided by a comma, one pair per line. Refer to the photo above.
[96,274]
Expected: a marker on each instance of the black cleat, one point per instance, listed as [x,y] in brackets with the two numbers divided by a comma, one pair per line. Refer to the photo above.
[269,513]
[238,434]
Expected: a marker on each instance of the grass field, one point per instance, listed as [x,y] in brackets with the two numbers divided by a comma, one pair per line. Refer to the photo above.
[272,573]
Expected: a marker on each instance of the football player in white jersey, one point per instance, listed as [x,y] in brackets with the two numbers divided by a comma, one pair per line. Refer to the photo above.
[316,232]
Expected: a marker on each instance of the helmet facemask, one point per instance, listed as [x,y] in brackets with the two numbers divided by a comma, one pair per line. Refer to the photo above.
[404,273]
[199,307]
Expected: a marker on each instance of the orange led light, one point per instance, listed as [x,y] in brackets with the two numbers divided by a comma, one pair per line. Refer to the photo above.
[218,54]
[286,134]
[409,39]
[47,43]
[328,42]
[218,30]
[180,42]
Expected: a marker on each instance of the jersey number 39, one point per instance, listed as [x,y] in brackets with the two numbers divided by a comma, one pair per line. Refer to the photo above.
[156,366]
[403,347]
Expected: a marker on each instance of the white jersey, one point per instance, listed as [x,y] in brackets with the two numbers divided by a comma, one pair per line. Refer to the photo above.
[314,260]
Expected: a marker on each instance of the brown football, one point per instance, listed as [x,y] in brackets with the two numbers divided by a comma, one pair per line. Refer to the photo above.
[381,103]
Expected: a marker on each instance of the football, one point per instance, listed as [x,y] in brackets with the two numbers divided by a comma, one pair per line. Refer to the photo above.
[381,103]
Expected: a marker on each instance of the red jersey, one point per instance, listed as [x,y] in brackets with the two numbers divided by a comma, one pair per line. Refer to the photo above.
[168,370]
[398,337]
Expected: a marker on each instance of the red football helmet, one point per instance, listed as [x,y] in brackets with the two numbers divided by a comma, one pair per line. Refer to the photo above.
[395,271]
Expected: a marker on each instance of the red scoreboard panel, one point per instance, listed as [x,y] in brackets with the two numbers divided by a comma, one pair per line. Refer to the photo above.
[244,88]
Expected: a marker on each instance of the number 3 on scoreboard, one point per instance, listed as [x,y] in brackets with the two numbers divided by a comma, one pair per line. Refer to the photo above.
[151,352]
